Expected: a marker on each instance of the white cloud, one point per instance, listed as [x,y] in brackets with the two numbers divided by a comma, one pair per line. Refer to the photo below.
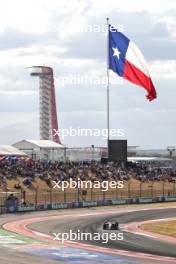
[165,69]
[26,16]
[29,32]
[131,6]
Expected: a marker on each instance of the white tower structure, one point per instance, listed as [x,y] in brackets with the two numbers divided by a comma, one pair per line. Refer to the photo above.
[47,103]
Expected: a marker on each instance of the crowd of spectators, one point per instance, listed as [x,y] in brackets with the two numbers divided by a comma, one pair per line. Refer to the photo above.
[59,171]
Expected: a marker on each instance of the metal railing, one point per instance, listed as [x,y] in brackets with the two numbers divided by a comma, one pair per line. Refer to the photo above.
[48,196]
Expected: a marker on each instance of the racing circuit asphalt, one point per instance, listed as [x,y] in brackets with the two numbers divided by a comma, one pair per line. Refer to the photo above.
[132,242]
[91,220]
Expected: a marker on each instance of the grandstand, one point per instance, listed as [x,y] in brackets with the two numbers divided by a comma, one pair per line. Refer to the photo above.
[33,180]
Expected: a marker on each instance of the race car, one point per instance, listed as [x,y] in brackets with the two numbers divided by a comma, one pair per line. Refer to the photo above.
[111,225]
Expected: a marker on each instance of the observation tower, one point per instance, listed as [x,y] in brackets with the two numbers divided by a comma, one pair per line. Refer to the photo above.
[47,103]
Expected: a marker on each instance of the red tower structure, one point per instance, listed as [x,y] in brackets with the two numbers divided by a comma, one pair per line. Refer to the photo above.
[47,102]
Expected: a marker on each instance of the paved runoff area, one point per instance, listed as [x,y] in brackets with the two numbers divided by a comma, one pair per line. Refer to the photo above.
[27,238]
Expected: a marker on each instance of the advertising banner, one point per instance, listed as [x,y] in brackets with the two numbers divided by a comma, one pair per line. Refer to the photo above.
[59,206]
[89,203]
[145,200]
[119,201]
[170,199]
[26,208]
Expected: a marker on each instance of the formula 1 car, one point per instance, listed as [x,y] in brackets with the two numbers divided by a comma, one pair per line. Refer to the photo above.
[111,225]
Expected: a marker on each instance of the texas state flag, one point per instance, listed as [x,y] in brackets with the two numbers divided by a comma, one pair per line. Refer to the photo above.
[127,61]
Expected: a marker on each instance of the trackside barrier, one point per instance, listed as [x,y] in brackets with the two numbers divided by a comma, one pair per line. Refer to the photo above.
[89,203]
[59,206]
[55,206]
[26,208]
[3,209]
[121,201]
[170,199]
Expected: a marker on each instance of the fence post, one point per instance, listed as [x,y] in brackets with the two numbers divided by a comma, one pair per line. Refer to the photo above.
[36,196]
[104,195]
[51,196]
[174,187]
[129,190]
[152,188]
[163,188]
[116,192]
[91,194]
[65,196]
[24,196]
[21,196]
[140,194]
[78,195]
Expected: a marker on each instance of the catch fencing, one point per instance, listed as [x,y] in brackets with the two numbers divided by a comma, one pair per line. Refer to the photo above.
[37,197]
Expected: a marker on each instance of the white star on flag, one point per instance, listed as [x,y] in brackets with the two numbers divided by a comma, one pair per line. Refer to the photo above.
[116,52]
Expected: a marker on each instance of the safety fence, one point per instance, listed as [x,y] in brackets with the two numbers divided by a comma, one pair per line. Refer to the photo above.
[54,206]
[49,198]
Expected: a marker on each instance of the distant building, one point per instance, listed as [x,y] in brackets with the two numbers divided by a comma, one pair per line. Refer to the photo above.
[42,149]
[6,150]
[155,153]
[50,150]
[83,154]
[93,153]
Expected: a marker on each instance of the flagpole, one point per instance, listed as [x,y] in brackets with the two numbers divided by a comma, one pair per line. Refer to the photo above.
[108,137]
